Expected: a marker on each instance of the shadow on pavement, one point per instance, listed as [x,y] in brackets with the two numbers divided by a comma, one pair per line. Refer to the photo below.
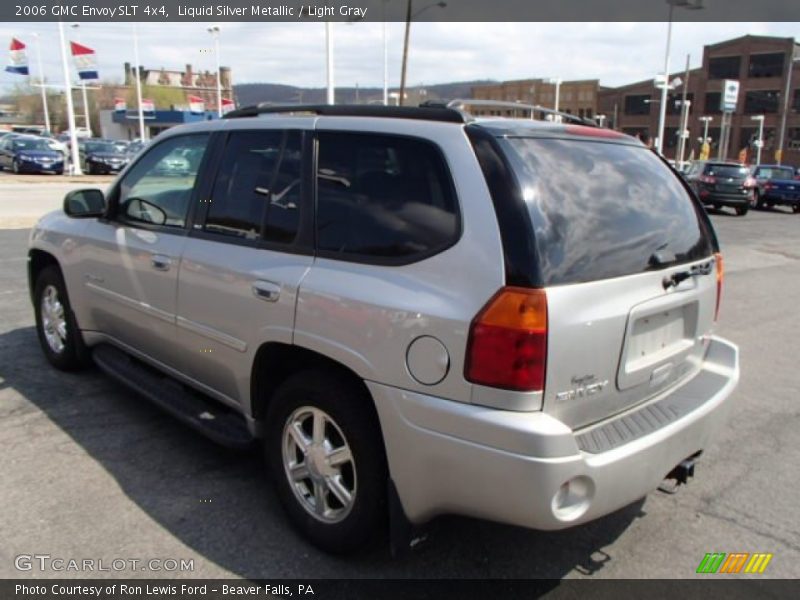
[220,504]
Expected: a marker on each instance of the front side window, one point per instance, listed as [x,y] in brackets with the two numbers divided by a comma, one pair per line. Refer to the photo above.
[257,191]
[383,196]
[158,189]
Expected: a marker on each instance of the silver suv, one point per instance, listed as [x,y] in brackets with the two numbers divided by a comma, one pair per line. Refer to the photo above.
[417,311]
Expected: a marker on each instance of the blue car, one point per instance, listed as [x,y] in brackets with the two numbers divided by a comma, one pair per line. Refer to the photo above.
[776,186]
[29,154]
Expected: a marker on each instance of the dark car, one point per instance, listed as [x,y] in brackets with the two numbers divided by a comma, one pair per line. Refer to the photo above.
[720,183]
[776,185]
[31,154]
[100,156]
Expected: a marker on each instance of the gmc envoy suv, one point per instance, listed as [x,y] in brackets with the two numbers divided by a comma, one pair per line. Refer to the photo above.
[415,311]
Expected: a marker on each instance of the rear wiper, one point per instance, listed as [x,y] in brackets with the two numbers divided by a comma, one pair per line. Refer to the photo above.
[675,279]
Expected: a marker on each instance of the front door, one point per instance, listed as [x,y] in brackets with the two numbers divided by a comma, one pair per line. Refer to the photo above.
[131,261]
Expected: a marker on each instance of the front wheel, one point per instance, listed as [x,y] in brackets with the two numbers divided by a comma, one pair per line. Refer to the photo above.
[796,209]
[55,324]
[325,452]
[15,166]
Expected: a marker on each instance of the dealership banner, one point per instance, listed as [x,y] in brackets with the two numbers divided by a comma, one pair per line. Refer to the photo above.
[85,61]
[227,105]
[148,106]
[120,105]
[196,105]
[17,58]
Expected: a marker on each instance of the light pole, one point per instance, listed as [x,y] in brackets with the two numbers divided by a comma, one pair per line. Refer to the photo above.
[706,120]
[41,84]
[685,108]
[76,27]
[556,81]
[329,60]
[662,117]
[409,17]
[142,135]
[73,139]
[760,140]
[385,59]
[214,31]
[781,136]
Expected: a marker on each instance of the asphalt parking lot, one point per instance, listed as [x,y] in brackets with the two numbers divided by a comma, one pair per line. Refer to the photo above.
[89,470]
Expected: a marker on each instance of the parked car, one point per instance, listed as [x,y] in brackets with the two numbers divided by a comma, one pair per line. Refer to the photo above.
[721,183]
[415,311]
[776,185]
[31,154]
[101,156]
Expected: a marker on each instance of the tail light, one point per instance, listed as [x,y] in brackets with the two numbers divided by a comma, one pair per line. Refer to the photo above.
[769,185]
[720,279]
[707,179]
[508,341]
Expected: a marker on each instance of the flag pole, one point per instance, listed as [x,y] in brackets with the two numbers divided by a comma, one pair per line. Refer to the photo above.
[138,83]
[73,139]
[41,83]
[86,122]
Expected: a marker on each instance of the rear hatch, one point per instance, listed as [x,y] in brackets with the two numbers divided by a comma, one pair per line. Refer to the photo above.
[725,179]
[627,259]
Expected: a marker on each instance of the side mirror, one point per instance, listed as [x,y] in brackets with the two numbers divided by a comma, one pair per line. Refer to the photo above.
[82,204]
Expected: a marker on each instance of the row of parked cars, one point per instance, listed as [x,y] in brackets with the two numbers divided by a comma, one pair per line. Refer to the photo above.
[728,184]
[44,153]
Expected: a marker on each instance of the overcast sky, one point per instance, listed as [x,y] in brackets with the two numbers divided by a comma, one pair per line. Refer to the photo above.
[294,53]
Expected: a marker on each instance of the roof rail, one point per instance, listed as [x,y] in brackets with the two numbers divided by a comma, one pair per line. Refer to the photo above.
[423,113]
[459,103]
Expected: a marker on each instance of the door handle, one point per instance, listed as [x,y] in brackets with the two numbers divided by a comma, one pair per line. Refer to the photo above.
[267,290]
[160,262]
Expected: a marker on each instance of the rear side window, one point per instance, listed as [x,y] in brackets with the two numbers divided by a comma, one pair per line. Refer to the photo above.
[602,210]
[383,198]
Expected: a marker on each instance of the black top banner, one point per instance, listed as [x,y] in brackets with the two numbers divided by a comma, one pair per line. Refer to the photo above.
[400,10]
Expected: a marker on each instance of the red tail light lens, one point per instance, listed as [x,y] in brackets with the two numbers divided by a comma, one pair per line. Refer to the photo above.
[720,279]
[769,185]
[508,341]
[707,179]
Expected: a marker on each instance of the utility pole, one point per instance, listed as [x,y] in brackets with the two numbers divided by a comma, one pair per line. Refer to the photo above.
[405,56]
[684,107]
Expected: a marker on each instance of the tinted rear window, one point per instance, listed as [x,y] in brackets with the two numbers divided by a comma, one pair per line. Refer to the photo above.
[602,210]
[726,171]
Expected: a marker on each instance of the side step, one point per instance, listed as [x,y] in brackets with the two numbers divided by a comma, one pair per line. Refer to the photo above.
[215,421]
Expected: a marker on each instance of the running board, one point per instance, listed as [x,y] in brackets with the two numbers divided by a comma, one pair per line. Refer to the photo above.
[217,422]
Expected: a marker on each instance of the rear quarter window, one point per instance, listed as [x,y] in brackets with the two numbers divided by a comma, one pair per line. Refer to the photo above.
[601,210]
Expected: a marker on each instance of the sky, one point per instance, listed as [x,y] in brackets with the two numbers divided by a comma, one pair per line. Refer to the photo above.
[294,53]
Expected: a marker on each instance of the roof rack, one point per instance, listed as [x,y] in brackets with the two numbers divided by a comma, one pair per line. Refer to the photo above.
[460,103]
[423,113]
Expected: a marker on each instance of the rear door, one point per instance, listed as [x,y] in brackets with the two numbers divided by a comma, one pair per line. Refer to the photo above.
[244,259]
[627,260]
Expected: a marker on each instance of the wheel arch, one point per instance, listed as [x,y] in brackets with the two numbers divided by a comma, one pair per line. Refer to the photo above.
[38,260]
[277,361]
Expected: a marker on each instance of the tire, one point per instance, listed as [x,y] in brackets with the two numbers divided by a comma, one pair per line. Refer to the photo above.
[796,208]
[15,166]
[759,202]
[350,424]
[56,328]
[742,210]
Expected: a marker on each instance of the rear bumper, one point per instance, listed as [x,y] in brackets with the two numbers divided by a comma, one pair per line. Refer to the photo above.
[725,199]
[785,199]
[449,457]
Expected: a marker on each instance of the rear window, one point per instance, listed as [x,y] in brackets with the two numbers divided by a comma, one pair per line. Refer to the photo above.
[602,210]
[775,173]
[726,171]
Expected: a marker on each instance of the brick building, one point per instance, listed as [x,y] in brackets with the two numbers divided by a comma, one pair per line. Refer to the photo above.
[196,83]
[760,64]
[575,97]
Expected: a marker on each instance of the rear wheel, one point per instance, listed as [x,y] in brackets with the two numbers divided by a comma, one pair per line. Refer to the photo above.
[742,210]
[796,208]
[325,452]
[55,324]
